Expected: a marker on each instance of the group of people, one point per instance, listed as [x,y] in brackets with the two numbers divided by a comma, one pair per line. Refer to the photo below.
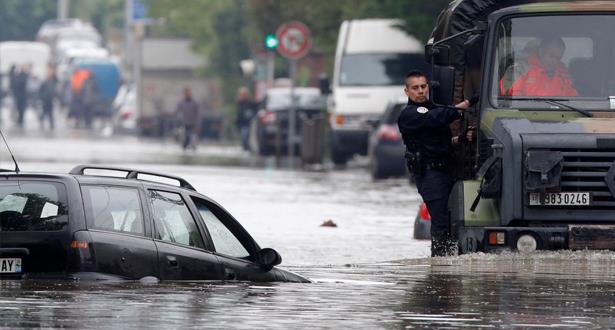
[84,98]
[83,95]
[19,80]
[425,129]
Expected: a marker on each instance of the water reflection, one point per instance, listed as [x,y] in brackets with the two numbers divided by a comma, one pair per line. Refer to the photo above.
[560,290]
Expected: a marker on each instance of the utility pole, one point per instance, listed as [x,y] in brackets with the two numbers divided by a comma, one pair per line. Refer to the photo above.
[63,9]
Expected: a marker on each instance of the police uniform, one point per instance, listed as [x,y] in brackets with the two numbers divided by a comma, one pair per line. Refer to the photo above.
[425,130]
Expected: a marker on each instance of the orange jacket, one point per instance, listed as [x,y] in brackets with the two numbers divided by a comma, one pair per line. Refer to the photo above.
[536,82]
[78,78]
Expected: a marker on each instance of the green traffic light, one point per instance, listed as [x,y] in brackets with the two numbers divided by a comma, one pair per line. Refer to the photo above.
[271,41]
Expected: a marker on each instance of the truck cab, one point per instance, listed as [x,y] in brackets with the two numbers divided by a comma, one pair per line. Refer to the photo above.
[540,174]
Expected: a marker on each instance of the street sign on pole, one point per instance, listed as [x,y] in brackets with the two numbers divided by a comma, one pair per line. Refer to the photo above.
[293,43]
[293,40]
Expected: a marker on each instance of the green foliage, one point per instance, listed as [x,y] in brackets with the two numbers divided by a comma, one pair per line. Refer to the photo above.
[217,30]
[103,14]
[20,19]
[227,31]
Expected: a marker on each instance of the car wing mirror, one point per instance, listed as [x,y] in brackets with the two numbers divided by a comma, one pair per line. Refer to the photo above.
[268,258]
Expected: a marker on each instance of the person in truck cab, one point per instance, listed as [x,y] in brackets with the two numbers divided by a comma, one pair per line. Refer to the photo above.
[546,75]
[425,130]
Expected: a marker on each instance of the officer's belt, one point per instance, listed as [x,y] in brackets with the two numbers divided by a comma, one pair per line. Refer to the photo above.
[435,166]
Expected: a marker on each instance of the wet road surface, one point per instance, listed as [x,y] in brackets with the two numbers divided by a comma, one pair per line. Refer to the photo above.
[546,291]
[368,272]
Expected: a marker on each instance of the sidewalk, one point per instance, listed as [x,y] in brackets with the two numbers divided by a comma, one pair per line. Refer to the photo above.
[66,144]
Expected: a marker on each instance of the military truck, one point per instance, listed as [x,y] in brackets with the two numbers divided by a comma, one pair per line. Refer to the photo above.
[539,173]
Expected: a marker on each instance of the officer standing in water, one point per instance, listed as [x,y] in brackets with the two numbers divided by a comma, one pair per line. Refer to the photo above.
[426,133]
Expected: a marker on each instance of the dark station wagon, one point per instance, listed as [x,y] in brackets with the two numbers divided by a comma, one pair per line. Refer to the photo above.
[89,225]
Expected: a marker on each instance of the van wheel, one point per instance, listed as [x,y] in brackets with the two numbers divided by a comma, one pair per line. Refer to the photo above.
[376,169]
[339,159]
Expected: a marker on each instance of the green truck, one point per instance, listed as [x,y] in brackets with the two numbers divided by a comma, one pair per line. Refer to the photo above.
[539,173]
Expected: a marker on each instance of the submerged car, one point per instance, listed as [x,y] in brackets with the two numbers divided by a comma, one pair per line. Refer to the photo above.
[89,225]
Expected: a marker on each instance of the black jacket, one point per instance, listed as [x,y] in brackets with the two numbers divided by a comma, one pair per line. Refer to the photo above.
[425,128]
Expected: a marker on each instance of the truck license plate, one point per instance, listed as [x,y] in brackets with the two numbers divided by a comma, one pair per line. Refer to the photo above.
[560,199]
[10,265]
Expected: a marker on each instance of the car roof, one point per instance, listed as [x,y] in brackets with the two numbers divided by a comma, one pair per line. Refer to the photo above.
[105,174]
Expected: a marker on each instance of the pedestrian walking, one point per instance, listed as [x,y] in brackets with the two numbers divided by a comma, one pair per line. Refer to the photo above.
[425,131]
[189,117]
[47,94]
[90,98]
[246,109]
[20,93]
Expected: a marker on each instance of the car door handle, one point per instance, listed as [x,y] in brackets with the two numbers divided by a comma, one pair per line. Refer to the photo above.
[172,261]
[229,274]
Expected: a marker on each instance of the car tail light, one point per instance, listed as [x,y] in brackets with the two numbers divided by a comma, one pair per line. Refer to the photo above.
[126,115]
[388,133]
[268,118]
[497,238]
[424,213]
[78,244]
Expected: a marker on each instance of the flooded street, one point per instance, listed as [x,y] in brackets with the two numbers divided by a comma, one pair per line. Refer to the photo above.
[368,272]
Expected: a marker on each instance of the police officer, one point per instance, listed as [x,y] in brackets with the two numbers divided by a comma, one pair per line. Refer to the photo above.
[425,130]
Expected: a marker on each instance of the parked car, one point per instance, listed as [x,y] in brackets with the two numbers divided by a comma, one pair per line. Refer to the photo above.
[125,110]
[386,148]
[422,223]
[92,226]
[264,135]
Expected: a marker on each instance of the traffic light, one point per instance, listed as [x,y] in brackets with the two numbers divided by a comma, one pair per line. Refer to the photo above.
[271,41]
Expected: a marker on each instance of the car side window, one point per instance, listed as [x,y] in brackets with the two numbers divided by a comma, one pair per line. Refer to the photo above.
[225,242]
[114,209]
[173,220]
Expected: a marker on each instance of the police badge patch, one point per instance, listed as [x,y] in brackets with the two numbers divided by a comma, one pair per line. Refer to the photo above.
[422,110]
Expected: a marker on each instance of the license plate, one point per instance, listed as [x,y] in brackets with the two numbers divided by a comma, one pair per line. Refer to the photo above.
[560,199]
[10,265]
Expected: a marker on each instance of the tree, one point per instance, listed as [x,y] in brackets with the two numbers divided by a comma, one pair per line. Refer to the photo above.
[216,29]
[21,19]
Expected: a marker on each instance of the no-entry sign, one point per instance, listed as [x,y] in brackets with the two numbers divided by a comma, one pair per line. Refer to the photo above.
[294,40]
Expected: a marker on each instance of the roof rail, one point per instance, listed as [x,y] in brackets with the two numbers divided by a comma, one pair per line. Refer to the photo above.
[130,173]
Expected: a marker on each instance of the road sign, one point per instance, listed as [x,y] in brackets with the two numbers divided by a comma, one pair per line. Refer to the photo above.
[294,40]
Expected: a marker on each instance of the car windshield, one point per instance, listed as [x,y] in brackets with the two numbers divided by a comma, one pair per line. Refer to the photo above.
[32,206]
[391,116]
[378,69]
[277,101]
[559,62]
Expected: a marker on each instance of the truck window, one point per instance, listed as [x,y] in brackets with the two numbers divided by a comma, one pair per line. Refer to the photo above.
[561,57]
[378,69]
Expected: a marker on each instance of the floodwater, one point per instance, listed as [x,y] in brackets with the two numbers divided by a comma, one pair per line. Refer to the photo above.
[368,272]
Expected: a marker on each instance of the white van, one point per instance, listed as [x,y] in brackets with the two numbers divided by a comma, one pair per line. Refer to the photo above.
[372,59]
[20,53]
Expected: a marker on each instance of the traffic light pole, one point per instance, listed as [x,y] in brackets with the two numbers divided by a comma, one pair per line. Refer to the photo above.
[291,115]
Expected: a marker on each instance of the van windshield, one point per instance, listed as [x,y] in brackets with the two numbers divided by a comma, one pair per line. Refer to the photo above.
[32,206]
[563,58]
[378,69]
